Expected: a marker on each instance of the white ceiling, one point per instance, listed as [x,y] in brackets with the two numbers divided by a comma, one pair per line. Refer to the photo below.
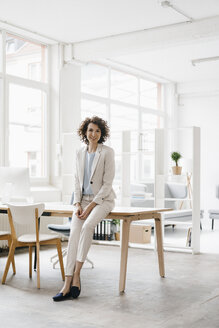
[174,63]
[78,20]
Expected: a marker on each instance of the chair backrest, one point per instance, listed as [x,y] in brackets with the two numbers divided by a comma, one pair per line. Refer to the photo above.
[24,214]
[176,190]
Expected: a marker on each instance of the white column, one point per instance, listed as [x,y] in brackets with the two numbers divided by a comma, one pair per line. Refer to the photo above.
[54,115]
[70,96]
[196,192]
[159,175]
[126,158]
[159,168]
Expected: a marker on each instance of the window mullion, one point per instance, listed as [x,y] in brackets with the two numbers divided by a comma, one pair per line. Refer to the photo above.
[27,83]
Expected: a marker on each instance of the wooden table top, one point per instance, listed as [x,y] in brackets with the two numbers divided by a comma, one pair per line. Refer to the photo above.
[117,211]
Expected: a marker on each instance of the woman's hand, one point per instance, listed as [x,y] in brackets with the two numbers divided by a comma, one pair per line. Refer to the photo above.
[87,211]
[78,210]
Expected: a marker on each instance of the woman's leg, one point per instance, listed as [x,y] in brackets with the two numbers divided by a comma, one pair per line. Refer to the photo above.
[76,226]
[98,213]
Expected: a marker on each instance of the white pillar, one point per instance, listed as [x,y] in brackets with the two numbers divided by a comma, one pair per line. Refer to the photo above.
[54,116]
[70,96]
[159,168]
[196,192]
[126,158]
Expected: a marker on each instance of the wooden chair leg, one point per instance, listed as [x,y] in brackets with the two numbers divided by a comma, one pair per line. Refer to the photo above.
[9,260]
[13,261]
[59,250]
[30,261]
[38,264]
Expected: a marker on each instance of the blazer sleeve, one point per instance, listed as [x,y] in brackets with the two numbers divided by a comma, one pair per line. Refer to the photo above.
[108,176]
[77,188]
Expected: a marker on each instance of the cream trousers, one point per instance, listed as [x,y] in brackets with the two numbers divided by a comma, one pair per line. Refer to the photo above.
[81,235]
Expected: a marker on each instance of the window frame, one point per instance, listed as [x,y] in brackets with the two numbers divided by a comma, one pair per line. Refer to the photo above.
[4,126]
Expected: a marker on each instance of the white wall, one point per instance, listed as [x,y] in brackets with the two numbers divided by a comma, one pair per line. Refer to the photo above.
[199,106]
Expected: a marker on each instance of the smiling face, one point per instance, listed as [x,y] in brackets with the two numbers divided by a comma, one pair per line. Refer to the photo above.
[93,133]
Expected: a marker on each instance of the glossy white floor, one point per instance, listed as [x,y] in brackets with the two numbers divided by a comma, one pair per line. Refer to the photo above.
[187,297]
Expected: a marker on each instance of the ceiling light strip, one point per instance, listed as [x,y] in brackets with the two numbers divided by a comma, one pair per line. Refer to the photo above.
[167,4]
[202,60]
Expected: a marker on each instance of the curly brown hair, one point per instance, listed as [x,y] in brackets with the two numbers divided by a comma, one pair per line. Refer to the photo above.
[103,126]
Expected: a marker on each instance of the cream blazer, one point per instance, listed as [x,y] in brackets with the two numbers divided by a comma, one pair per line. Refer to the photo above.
[102,174]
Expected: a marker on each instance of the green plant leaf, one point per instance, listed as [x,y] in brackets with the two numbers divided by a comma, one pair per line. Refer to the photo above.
[175,157]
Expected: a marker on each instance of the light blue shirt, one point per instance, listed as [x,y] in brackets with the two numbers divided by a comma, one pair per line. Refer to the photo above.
[87,174]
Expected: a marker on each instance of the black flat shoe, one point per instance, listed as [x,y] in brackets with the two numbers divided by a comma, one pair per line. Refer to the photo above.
[60,297]
[75,291]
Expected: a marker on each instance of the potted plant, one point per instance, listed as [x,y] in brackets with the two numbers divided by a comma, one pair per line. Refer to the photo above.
[175,157]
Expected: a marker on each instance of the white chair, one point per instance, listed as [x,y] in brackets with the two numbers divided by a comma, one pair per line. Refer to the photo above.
[29,215]
[5,235]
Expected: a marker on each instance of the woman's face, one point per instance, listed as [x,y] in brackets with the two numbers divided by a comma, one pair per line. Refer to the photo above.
[93,133]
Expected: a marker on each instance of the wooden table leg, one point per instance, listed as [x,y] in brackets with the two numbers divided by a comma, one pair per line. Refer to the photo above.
[124,254]
[159,237]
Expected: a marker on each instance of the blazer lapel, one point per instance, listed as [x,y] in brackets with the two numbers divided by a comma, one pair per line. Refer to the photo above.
[96,158]
[82,165]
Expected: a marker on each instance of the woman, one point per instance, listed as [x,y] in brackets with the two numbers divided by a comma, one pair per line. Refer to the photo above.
[93,199]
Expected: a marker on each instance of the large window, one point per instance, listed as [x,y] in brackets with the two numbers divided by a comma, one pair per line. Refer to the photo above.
[123,118]
[26,122]
[150,94]
[124,87]
[25,105]
[25,59]
[93,107]
[128,102]
[95,80]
